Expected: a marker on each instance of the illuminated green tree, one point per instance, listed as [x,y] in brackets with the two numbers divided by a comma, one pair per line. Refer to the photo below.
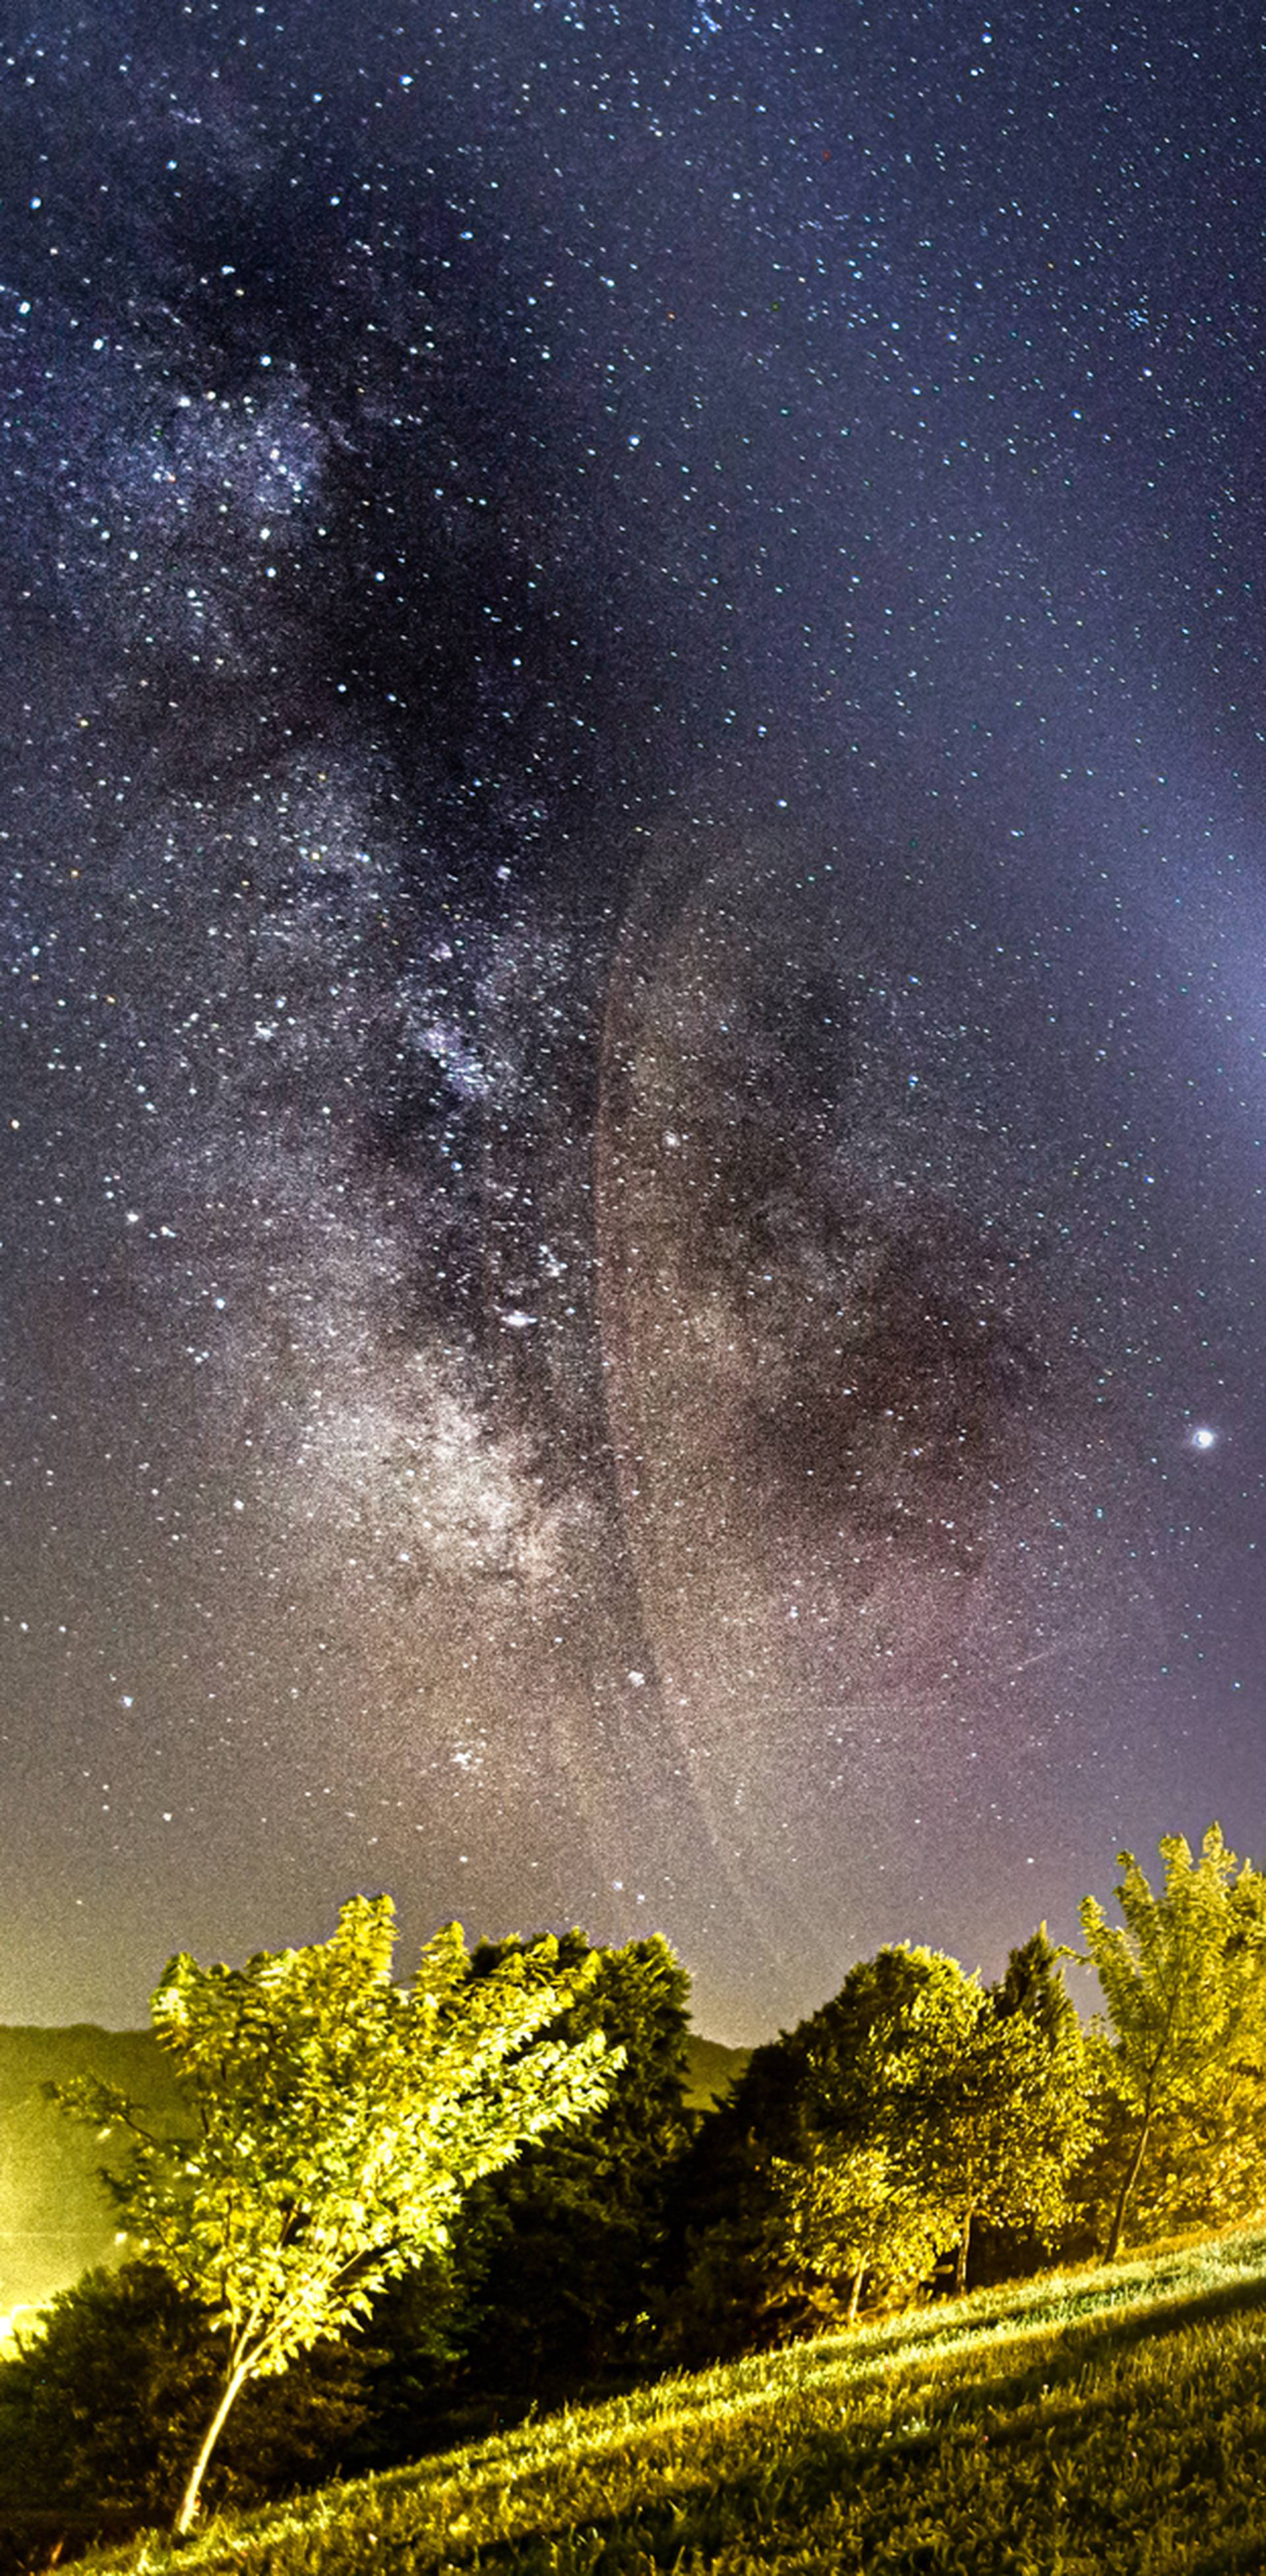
[1184,1982]
[846,2216]
[336,2123]
[977,2096]
[867,2143]
[1003,2112]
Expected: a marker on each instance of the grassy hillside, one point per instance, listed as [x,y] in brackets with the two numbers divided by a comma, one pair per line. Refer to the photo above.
[1102,2421]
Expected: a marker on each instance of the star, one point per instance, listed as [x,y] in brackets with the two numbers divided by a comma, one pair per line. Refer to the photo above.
[629,1105]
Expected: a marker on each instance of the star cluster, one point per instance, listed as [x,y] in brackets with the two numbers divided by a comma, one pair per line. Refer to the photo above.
[635,1060]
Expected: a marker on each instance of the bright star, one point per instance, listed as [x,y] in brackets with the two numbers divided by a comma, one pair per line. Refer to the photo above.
[1203,1438]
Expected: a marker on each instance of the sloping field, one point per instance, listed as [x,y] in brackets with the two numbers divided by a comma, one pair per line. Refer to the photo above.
[1095,2421]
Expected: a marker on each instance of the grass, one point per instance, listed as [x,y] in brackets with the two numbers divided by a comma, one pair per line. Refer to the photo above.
[1094,2421]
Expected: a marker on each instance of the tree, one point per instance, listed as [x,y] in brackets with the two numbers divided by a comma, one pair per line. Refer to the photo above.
[764,2247]
[1005,2112]
[103,2402]
[818,2172]
[1047,2101]
[336,2123]
[915,2013]
[1183,1984]
[558,2262]
[563,2248]
[98,2398]
[975,2099]
[849,2215]
[870,2141]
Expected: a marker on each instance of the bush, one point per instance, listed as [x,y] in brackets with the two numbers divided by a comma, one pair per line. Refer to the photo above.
[106,2400]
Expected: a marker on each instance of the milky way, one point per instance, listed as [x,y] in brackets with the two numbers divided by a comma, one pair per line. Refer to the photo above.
[635,930]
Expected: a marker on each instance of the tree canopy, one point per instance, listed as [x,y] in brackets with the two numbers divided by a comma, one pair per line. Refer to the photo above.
[1182,1981]
[336,2123]
[568,2238]
[867,2142]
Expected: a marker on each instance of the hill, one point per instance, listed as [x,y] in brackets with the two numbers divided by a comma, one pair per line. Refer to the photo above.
[711,2069]
[54,2217]
[1105,2420]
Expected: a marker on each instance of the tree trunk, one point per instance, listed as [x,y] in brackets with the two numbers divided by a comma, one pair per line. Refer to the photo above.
[233,2387]
[1117,2230]
[854,2295]
[960,2266]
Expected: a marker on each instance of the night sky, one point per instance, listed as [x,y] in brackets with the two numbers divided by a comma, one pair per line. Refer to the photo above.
[634,1040]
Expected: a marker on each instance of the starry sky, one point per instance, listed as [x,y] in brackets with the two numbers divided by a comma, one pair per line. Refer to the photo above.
[634,969]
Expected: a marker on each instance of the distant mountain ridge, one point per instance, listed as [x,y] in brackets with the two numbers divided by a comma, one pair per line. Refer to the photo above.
[54,2216]
[712,2068]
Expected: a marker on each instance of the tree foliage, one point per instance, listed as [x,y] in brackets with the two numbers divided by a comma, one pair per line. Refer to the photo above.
[495,2166]
[554,2277]
[567,2240]
[865,2144]
[843,2217]
[337,2122]
[103,2404]
[1009,2106]
[1184,1985]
